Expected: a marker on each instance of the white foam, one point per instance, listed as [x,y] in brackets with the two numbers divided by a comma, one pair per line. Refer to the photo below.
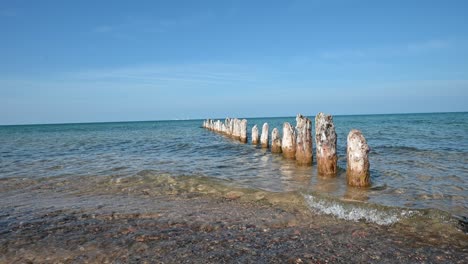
[356,213]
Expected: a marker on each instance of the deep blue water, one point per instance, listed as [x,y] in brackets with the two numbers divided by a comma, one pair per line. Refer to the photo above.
[417,160]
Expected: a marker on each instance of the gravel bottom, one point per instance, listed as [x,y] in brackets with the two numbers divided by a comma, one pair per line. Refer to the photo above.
[69,226]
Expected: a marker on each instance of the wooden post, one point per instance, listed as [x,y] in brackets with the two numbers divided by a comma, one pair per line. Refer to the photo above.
[236,131]
[275,141]
[357,170]
[325,137]
[304,140]
[243,131]
[289,141]
[264,137]
[255,136]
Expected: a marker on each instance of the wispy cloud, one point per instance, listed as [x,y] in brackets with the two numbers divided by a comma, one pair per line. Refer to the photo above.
[395,50]
[427,46]
[102,29]
[131,27]
[207,78]
[134,25]
[344,54]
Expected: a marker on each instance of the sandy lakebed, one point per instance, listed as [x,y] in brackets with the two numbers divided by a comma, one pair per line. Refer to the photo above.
[166,219]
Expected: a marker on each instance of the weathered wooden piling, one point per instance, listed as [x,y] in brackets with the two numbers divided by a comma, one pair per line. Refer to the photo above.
[264,137]
[236,132]
[210,124]
[243,130]
[288,144]
[233,128]
[223,128]
[325,137]
[255,136]
[357,170]
[227,125]
[303,140]
[275,141]
[218,126]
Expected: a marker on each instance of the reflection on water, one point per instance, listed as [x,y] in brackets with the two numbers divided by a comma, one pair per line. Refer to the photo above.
[421,159]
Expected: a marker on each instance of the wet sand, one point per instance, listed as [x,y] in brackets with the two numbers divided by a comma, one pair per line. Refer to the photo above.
[186,220]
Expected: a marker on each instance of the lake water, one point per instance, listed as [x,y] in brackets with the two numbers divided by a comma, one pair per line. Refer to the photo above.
[418,161]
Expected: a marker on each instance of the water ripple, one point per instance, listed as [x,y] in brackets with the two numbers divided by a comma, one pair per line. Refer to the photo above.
[422,159]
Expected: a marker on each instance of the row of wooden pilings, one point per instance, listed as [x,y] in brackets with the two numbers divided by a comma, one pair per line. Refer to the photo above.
[296,143]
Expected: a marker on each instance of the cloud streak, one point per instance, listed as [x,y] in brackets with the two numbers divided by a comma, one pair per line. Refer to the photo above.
[428,46]
[152,92]
[132,25]
[195,75]
[103,29]
[396,50]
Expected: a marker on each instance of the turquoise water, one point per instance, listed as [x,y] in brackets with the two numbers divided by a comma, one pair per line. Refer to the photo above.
[417,160]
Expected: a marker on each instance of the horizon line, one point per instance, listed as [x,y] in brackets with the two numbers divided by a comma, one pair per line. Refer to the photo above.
[196,119]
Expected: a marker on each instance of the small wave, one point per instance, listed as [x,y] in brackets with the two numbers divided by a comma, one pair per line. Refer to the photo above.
[119,168]
[398,148]
[56,167]
[356,213]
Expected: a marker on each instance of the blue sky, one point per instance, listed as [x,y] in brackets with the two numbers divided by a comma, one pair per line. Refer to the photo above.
[83,61]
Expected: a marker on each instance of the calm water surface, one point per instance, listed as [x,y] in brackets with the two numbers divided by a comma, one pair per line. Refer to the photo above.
[417,160]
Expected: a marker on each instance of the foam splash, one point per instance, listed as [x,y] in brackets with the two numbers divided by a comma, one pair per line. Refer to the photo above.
[357,213]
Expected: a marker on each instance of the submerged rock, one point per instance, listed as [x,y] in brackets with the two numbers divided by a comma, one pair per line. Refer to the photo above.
[325,137]
[233,195]
[255,136]
[275,141]
[463,224]
[289,141]
[304,140]
[357,171]
[264,137]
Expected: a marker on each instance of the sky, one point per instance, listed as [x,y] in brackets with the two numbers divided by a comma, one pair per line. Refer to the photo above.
[96,61]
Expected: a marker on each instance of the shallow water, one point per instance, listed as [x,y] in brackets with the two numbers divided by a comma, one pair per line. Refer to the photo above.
[162,218]
[418,161]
